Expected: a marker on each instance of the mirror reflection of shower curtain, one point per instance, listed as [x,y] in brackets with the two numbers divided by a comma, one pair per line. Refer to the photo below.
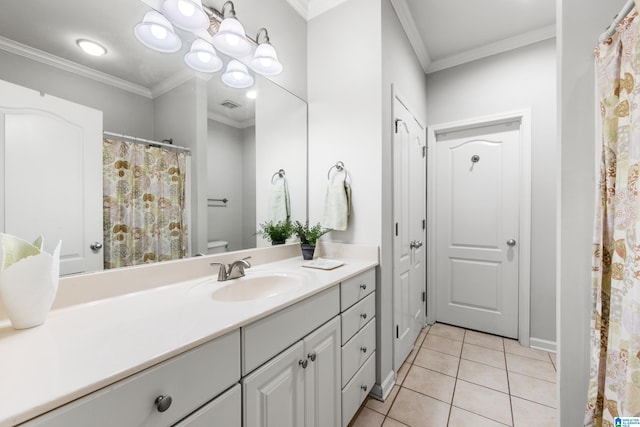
[145,215]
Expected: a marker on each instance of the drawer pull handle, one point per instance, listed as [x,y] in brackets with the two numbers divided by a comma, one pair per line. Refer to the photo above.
[163,403]
[363,286]
[363,315]
[303,363]
[363,349]
[312,356]
[364,388]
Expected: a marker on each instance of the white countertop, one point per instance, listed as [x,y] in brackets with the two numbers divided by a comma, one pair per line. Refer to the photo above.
[84,347]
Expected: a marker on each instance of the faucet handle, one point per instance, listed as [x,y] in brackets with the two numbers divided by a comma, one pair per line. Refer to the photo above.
[222,272]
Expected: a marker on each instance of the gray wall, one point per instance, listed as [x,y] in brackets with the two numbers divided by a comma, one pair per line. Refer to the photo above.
[522,78]
[123,111]
[580,22]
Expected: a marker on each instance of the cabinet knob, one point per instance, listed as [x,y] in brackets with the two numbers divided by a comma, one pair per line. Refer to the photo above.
[163,403]
[363,286]
[364,388]
[363,349]
[363,315]
[312,356]
[303,363]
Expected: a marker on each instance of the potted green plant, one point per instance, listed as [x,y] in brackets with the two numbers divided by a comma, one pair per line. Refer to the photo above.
[309,236]
[276,232]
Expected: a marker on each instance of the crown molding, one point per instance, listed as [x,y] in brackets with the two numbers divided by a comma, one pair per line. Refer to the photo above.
[300,6]
[33,54]
[411,30]
[309,9]
[501,46]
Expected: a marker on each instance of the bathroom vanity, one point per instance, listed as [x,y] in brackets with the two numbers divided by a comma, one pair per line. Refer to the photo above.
[199,352]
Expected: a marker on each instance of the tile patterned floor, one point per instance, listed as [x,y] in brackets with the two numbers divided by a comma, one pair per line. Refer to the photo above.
[458,378]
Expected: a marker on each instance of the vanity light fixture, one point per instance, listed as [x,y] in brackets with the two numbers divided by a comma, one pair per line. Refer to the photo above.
[236,75]
[202,57]
[265,59]
[156,32]
[186,14]
[231,37]
[91,48]
[225,32]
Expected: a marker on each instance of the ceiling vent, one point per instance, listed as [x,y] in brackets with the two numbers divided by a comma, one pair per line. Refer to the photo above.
[229,104]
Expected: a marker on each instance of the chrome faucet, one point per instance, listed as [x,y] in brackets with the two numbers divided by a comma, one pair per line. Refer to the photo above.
[233,271]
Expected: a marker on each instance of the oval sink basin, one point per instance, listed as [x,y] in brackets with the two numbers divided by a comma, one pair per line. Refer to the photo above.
[256,285]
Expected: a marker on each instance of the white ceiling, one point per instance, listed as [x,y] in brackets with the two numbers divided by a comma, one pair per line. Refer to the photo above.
[445,33]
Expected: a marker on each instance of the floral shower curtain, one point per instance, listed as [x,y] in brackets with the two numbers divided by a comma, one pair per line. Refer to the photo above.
[614,388]
[144,204]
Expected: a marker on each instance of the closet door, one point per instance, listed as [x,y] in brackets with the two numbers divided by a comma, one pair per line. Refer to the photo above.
[51,174]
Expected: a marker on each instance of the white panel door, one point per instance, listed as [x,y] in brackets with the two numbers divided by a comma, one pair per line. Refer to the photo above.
[51,172]
[477,223]
[273,395]
[322,376]
[409,205]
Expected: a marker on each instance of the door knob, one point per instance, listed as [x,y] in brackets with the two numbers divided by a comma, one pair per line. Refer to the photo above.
[95,246]
[413,244]
[511,242]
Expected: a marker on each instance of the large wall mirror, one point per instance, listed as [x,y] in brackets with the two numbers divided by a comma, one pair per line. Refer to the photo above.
[237,143]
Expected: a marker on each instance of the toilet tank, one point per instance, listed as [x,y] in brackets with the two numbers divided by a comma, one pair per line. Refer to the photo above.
[217,247]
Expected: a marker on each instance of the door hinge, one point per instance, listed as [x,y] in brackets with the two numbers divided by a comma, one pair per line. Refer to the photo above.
[424,151]
[396,229]
[424,297]
[424,224]
[397,121]
[397,331]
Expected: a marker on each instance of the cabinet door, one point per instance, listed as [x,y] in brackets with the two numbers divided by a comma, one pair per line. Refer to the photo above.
[322,376]
[274,394]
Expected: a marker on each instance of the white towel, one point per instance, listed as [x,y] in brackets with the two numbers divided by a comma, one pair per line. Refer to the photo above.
[337,205]
[279,206]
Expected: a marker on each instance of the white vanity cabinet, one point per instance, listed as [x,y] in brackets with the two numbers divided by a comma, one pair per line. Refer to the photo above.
[164,394]
[357,305]
[301,386]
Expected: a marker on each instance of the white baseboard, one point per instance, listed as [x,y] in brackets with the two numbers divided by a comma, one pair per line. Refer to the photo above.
[382,391]
[541,344]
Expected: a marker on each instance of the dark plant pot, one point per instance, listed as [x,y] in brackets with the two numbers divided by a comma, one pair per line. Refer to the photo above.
[277,242]
[307,250]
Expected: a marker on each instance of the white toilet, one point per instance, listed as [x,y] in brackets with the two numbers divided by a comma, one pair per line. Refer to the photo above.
[217,247]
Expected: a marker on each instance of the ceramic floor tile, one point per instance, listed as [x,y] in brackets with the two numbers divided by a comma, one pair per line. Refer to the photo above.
[418,410]
[436,361]
[485,340]
[482,401]
[412,354]
[390,422]
[367,418]
[484,355]
[402,373]
[442,344]
[383,407]
[534,389]
[531,367]
[447,331]
[528,414]
[487,376]
[431,383]
[514,347]
[461,418]
[554,360]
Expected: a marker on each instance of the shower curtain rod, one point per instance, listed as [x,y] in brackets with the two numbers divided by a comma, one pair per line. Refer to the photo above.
[626,9]
[148,141]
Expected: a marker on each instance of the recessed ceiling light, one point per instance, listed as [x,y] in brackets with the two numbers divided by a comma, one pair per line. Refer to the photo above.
[92,48]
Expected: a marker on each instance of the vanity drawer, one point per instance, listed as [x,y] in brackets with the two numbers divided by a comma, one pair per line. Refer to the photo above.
[263,339]
[224,410]
[358,316]
[354,289]
[357,351]
[190,379]
[358,388]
